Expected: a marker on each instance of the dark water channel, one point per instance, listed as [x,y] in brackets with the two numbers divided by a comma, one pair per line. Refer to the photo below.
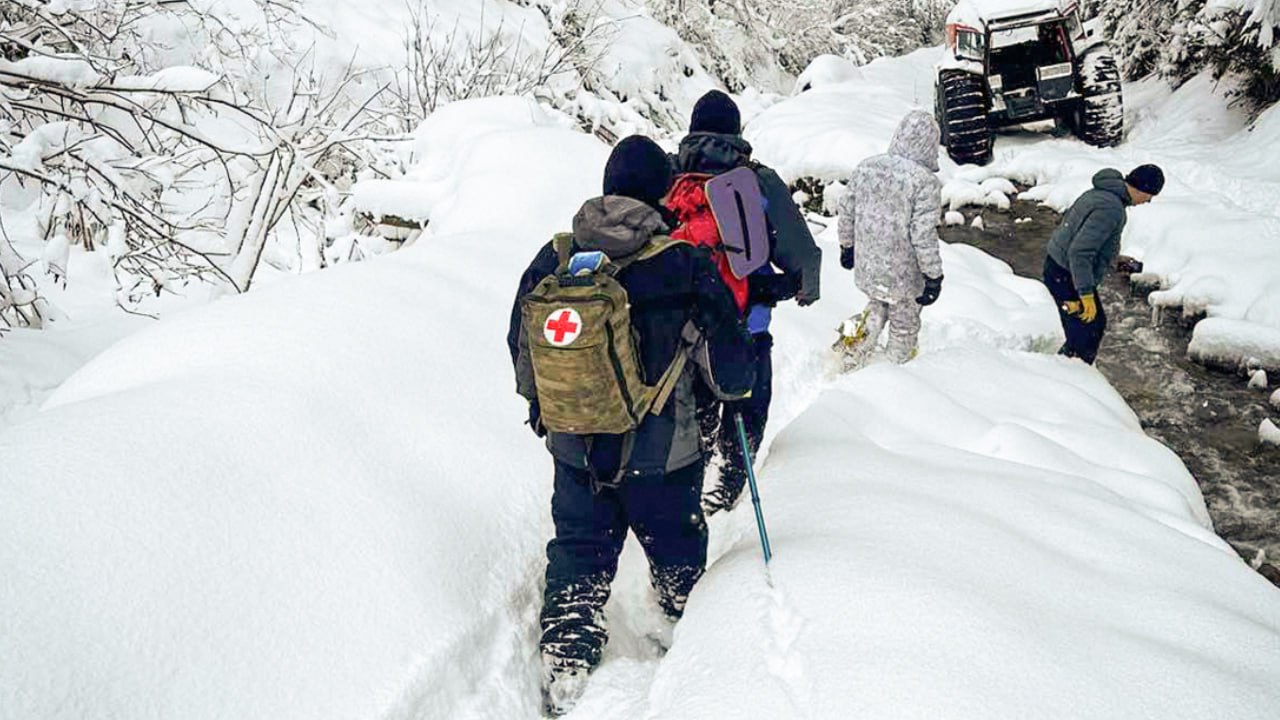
[1209,418]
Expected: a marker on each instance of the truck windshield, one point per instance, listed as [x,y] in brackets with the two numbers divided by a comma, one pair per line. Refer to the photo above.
[1013,36]
[970,44]
[1049,41]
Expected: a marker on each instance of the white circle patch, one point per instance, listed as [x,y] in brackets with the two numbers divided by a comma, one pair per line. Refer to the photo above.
[562,327]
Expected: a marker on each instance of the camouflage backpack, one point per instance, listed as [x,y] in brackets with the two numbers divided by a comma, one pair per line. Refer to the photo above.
[586,364]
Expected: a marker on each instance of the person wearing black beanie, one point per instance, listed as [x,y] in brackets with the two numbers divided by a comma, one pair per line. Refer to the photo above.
[716,112]
[1147,180]
[638,169]
[715,146]
[1083,249]
[607,480]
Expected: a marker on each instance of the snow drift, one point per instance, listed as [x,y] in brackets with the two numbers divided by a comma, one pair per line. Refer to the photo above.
[975,535]
[313,501]
[318,501]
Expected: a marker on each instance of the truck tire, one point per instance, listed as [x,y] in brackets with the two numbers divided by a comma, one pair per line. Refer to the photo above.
[1100,118]
[961,100]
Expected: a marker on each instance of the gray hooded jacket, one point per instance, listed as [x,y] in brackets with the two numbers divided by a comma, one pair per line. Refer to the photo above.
[1087,240]
[890,215]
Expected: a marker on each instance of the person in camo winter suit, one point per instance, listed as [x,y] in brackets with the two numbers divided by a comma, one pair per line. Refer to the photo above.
[602,486]
[889,236]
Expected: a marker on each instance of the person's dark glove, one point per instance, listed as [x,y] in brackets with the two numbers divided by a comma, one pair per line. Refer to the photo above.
[1128,265]
[846,257]
[535,419]
[771,289]
[932,288]
[808,294]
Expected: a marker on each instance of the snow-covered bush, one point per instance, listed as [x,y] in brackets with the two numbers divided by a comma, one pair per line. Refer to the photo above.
[1179,39]
[171,136]
[745,42]
[206,140]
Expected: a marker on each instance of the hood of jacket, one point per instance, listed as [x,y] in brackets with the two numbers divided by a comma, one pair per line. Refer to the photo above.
[712,153]
[916,139]
[616,225]
[1110,180]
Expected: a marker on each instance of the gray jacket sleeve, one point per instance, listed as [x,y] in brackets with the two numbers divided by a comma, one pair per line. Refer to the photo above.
[846,227]
[793,247]
[926,206]
[1095,232]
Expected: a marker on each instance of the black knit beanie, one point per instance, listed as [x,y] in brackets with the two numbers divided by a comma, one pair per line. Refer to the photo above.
[1147,178]
[638,169]
[716,112]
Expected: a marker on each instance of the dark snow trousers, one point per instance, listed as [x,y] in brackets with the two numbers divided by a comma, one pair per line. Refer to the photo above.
[1083,339]
[664,512]
[720,432]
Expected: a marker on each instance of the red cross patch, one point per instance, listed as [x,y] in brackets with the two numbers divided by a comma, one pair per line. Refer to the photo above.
[562,327]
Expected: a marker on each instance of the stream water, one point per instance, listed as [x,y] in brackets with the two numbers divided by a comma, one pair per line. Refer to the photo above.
[1209,418]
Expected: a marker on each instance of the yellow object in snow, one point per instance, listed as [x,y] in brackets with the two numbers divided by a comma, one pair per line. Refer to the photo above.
[851,338]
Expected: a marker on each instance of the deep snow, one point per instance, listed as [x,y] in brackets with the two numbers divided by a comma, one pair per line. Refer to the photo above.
[317,500]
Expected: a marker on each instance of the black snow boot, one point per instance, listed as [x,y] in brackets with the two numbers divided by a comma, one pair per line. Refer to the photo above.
[573,638]
[726,493]
[673,585]
[573,620]
[563,682]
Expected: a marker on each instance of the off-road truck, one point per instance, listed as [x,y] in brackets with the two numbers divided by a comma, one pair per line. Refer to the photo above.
[1009,62]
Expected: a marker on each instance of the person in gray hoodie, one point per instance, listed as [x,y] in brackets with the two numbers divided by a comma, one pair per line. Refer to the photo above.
[1083,249]
[648,481]
[889,237]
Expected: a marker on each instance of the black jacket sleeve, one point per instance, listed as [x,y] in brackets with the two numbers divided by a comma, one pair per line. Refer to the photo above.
[793,247]
[725,354]
[543,265]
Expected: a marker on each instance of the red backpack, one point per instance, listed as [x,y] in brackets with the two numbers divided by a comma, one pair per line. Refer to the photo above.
[688,200]
[726,214]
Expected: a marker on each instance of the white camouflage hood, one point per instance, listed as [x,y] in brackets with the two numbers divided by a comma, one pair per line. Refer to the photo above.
[916,139]
[890,214]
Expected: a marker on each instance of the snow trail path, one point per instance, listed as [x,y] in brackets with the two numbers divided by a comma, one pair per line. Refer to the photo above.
[622,687]
[628,685]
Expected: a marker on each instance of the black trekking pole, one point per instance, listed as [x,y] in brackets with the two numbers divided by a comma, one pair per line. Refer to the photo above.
[755,492]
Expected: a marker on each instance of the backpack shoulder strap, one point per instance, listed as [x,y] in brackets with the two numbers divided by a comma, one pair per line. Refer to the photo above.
[657,245]
[667,383]
[563,244]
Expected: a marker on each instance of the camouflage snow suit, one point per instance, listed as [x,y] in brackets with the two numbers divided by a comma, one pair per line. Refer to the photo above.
[890,218]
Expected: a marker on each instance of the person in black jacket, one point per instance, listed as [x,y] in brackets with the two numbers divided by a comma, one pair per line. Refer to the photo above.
[715,145]
[651,481]
[1083,250]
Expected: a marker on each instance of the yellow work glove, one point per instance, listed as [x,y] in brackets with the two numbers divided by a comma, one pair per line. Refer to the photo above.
[1086,308]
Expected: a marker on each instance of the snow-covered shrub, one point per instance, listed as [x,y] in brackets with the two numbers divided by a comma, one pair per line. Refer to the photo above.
[745,42]
[208,139]
[171,136]
[1179,39]
[20,301]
